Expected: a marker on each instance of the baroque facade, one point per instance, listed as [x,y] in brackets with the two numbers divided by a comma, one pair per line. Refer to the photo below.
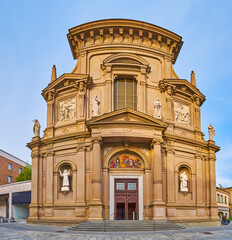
[123,137]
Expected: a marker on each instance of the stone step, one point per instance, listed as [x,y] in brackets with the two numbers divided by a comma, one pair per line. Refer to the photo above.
[125,226]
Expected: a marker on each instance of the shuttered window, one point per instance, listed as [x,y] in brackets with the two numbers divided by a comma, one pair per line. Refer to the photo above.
[125,93]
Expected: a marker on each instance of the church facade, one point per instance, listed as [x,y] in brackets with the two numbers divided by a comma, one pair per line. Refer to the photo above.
[123,137]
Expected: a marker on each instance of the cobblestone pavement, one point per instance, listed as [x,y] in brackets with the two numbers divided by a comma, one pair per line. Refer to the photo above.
[20,230]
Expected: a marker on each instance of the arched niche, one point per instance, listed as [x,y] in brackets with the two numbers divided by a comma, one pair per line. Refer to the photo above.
[184,178]
[62,169]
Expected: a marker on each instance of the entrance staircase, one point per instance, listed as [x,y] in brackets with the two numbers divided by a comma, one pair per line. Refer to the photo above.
[125,226]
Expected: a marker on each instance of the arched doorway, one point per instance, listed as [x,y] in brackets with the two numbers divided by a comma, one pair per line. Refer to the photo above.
[126,186]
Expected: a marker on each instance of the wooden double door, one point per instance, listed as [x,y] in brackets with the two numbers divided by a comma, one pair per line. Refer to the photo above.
[126,199]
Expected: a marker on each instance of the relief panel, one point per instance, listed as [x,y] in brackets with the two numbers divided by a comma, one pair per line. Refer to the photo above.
[67,109]
[182,113]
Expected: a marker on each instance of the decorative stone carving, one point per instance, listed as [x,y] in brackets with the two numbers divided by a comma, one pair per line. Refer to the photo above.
[67,110]
[182,113]
[107,149]
[95,106]
[65,183]
[183,182]
[157,109]
[211,132]
[36,128]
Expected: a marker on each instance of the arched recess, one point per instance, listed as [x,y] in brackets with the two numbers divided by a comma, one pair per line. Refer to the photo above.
[60,164]
[69,165]
[182,165]
[123,57]
[185,167]
[121,149]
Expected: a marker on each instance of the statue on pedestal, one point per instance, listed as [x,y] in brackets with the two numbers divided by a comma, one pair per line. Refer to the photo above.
[95,106]
[65,183]
[36,128]
[211,132]
[157,109]
[183,182]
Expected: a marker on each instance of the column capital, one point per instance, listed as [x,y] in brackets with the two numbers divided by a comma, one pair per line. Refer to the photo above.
[96,139]
[156,141]
[170,150]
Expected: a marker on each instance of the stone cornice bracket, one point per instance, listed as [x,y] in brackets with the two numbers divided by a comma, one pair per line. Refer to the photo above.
[82,85]
[49,96]
[166,87]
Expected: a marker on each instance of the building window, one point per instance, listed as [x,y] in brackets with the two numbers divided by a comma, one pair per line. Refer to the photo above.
[221,198]
[20,170]
[125,93]
[120,186]
[225,200]
[218,198]
[131,186]
[10,166]
[9,179]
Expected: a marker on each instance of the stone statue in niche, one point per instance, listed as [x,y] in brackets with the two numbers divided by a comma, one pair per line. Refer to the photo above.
[211,132]
[95,106]
[36,128]
[183,182]
[67,110]
[157,109]
[65,183]
[182,113]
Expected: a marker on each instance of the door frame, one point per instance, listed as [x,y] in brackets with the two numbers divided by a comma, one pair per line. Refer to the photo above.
[140,192]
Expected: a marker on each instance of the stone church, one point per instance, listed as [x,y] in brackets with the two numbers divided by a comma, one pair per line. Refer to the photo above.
[123,137]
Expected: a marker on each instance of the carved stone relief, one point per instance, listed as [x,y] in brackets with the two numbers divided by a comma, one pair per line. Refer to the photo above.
[67,110]
[182,113]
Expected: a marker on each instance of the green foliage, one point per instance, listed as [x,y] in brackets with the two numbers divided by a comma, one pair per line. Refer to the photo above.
[25,174]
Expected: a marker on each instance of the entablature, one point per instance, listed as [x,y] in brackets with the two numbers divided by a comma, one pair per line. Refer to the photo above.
[118,31]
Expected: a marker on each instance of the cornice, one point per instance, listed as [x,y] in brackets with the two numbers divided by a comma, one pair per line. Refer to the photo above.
[204,145]
[53,140]
[96,32]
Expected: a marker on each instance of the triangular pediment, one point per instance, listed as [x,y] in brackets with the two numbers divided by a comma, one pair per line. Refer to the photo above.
[67,79]
[183,87]
[126,116]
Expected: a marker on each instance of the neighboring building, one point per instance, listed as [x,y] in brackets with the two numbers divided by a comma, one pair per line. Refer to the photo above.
[223,198]
[123,137]
[10,167]
[15,199]
[229,190]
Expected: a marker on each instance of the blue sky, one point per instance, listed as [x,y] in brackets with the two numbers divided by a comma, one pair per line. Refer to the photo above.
[33,38]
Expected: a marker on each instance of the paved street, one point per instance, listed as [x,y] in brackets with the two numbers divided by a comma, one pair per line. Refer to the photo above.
[20,230]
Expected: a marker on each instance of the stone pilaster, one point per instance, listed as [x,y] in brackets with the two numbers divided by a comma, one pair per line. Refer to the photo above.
[199,180]
[49,179]
[170,176]
[157,203]
[108,87]
[95,211]
[80,177]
